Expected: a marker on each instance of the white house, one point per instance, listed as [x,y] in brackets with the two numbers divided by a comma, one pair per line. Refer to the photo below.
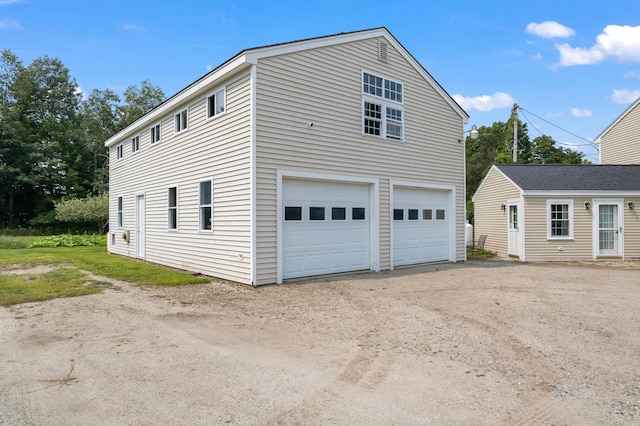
[332,154]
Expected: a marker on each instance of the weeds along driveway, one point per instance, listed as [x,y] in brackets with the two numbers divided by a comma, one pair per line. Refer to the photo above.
[475,343]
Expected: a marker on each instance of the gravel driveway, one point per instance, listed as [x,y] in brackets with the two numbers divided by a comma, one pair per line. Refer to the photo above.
[480,343]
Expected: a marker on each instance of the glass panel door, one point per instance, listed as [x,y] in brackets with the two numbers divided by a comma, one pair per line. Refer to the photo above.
[608,230]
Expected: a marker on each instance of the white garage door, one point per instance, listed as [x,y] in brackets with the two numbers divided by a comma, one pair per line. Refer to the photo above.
[420,226]
[326,227]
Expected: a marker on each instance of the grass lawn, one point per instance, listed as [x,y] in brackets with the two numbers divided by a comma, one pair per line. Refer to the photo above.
[66,282]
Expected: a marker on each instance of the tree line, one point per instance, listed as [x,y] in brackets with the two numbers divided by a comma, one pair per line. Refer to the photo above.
[52,137]
[494,145]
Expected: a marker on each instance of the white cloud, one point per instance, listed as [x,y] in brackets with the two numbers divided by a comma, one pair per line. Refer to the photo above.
[132,27]
[6,24]
[632,74]
[617,43]
[81,93]
[486,102]
[581,112]
[209,67]
[549,29]
[624,96]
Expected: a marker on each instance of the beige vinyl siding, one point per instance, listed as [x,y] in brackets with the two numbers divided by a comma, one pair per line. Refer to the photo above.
[538,247]
[217,148]
[324,86]
[632,229]
[621,144]
[489,218]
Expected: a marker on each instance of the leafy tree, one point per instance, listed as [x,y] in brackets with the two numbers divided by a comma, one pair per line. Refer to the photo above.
[85,210]
[100,114]
[139,101]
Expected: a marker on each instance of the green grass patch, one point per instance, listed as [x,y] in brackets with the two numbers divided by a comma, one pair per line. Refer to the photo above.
[16,242]
[61,282]
[479,254]
[96,260]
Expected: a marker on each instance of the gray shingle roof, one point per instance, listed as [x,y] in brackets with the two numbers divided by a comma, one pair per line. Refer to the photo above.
[573,177]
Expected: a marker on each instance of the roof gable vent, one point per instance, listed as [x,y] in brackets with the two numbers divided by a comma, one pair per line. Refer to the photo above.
[383,49]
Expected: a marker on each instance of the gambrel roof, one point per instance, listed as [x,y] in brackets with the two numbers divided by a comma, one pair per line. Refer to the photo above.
[572,177]
[249,57]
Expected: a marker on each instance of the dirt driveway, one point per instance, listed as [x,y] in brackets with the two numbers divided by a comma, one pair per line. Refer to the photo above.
[480,343]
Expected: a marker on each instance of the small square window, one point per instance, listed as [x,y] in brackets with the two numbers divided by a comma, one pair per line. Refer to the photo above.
[439,214]
[293,213]
[413,214]
[135,144]
[338,213]
[215,103]
[427,214]
[357,213]
[398,214]
[181,121]
[155,134]
[316,213]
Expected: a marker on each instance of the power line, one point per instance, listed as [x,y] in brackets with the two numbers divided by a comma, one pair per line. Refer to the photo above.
[589,143]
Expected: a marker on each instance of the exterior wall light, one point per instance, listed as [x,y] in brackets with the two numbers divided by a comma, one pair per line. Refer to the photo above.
[587,205]
[503,207]
[630,204]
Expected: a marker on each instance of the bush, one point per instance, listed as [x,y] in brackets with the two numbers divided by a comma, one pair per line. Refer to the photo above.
[67,240]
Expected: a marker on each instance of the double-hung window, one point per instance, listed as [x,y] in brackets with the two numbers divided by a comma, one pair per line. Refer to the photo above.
[559,219]
[135,144]
[155,134]
[206,210]
[180,120]
[120,212]
[172,208]
[382,107]
[215,103]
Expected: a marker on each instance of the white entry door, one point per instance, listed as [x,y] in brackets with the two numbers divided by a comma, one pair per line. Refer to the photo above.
[609,229]
[514,231]
[139,234]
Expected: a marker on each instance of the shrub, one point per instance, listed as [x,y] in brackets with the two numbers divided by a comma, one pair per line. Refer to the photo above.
[67,240]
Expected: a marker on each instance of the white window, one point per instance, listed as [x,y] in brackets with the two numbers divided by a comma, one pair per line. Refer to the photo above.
[172,208]
[560,219]
[181,121]
[135,144]
[215,103]
[120,212]
[119,151]
[206,210]
[382,110]
[155,133]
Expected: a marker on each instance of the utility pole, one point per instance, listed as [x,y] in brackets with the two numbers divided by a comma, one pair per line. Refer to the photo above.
[514,115]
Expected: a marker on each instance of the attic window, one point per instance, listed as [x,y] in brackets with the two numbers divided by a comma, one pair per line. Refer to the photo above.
[382,51]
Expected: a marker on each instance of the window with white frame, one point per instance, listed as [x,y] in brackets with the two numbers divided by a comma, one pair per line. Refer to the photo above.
[119,151]
[135,144]
[215,103]
[120,205]
[180,120]
[206,210]
[382,110]
[172,208]
[559,219]
[155,133]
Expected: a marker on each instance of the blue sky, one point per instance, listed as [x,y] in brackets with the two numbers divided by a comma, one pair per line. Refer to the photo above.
[574,64]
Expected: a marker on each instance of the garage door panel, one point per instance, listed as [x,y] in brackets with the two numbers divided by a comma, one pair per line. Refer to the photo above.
[427,238]
[315,247]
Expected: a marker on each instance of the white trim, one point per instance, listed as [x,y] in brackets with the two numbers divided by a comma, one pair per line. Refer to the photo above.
[487,176]
[223,88]
[453,243]
[119,147]
[186,126]
[134,137]
[253,181]
[630,108]
[374,209]
[595,205]
[200,230]
[579,194]
[119,222]
[568,202]
[251,57]
[177,187]
[152,132]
